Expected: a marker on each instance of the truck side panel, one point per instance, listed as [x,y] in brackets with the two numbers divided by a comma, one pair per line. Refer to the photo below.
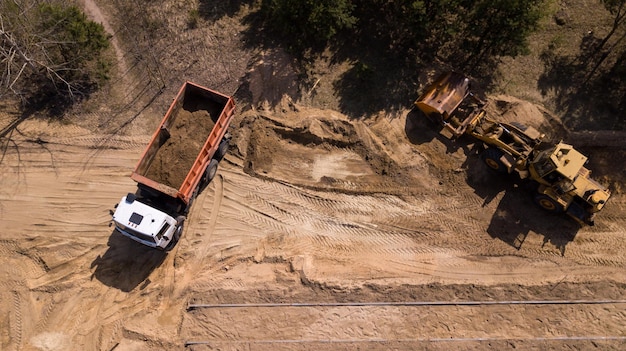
[191,97]
[212,143]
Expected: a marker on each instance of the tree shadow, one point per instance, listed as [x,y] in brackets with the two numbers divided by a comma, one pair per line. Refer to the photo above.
[214,10]
[126,264]
[516,215]
[379,79]
[8,132]
[588,97]
[383,77]
[382,72]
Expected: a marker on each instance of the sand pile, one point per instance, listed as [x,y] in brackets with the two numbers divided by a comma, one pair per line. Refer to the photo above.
[176,156]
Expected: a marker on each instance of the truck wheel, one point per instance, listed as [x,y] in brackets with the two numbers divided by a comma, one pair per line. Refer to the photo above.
[211,171]
[491,157]
[193,198]
[548,203]
[222,149]
[179,231]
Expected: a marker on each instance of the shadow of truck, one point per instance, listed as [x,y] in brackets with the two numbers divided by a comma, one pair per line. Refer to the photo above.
[126,264]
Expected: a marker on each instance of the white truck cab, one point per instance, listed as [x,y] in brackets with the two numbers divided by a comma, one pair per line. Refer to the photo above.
[145,224]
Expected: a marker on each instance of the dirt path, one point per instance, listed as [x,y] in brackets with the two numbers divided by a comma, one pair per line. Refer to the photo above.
[93,11]
[381,327]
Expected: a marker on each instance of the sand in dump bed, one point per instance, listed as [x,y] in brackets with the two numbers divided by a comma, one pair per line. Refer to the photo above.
[188,134]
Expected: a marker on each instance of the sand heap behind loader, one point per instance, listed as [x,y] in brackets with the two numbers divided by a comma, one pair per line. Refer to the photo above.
[556,173]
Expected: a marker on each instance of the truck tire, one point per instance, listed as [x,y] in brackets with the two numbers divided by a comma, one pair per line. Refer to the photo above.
[177,234]
[222,149]
[491,157]
[211,171]
[195,193]
[548,204]
[179,231]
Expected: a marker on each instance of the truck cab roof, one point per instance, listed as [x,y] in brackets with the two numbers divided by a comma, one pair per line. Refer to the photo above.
[140,217]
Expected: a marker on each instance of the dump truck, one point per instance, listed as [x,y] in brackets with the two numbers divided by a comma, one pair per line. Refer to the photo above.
[180,160]
[556,173]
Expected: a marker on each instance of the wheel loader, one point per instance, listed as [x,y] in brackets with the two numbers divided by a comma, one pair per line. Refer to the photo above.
[556,173]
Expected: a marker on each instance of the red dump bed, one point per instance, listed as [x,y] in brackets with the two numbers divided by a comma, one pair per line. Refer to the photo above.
[185,141]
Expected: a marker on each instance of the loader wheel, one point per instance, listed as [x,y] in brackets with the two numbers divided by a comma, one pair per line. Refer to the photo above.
[491,157]
[548,204]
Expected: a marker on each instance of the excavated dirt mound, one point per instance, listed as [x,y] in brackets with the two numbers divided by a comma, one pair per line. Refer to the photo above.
[510,109]
[322,149]
[327,150]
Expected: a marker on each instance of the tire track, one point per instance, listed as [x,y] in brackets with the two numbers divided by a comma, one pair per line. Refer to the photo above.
[342,231]
[17,322]
[47,312]
[344,236]
[386,226]
[114,142]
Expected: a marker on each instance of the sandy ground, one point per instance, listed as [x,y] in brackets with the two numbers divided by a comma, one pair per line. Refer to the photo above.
[377,234]
[315,222]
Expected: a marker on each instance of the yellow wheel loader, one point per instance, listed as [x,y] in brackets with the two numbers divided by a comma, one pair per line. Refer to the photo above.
[556,172]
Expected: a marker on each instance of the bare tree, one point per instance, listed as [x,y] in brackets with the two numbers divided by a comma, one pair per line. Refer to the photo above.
[47,49]
[618,10]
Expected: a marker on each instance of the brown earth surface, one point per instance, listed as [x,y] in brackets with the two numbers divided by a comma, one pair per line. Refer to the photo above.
[320,232]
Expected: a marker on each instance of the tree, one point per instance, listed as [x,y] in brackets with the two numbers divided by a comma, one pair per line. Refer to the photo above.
[51,53]
[495,28]
[618,10]
[307,23]
[424,26]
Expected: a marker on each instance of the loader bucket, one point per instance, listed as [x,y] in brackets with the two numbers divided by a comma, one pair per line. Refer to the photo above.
[444,95]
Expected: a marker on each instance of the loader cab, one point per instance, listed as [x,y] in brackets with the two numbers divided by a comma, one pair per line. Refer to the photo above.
[558,167]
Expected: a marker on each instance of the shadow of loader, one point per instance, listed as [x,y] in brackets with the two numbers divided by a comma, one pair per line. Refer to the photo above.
[516,215]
